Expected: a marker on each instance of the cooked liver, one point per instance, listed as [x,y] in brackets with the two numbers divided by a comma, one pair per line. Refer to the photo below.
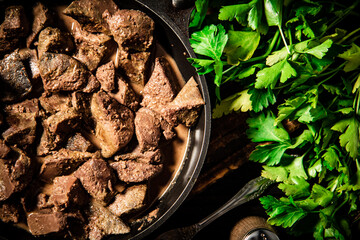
[97,178]
[10,212]
[125,94]
[15,173]
[42,17]
[147,129]
[132,199]
[106,76]
[22,120]
[67,192]
[153,157]
[61,72]
[135,66]
[134,171]
[55,102]
[131,29]
[102,222]
[92,48]
[15,24]
[45,222]
[14,81]
[55,41]
[186,106]
[79,143]
[161,88]
[62,162]
[89,13]
[114,123]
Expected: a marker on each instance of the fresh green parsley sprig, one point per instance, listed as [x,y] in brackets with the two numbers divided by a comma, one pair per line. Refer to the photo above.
[296,68]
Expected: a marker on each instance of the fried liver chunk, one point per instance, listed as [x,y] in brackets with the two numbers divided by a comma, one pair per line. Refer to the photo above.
[186,106]
[133,199]
[92,48]
[106,76]
[15,173]
[55,102]
[135,171]
[147,129]
[15,24]
[102,222]
[153,157]
[79,143]
[135,66]
[61,72]
[14,81]
[10,212]
[42,18]
[46,222]
[97,178]
[67,192]
[62,162]
[55,41]
[114,123]
[89,13]
[131,29]
[161,88]
[22,120]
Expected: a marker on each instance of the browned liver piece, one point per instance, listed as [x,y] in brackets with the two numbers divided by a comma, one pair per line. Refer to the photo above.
[46,222]
[22,120]
[125,94]
[89,13]
[55,102]
[15,24]
[153,157]
[78,142]
[42,18]
[10,212]
[102,222]
[14,81]
[92,48]
[147,129]
[135,66]
[135,171]
[161,88]
[62,162]
[67,192]
[133,199]
[15,173]
[106,76]
[186,106]
[97,178]
[61,72]
[131,29]
[55,41]
[114,123]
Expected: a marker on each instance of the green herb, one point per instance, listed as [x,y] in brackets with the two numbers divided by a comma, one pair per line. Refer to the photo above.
[295,67]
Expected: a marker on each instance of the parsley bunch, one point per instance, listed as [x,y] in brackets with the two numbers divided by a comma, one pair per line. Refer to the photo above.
[295,67]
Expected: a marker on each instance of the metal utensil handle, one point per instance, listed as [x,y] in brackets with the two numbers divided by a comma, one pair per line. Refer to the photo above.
[253,189]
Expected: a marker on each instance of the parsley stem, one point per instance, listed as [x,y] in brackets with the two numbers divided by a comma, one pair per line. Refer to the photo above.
[284,40]
[268,51]
[349,35]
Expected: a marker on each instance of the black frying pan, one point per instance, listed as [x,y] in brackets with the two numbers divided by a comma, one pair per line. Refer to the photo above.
[171,31]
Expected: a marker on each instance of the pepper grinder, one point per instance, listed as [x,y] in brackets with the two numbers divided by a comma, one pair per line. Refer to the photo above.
[253,228]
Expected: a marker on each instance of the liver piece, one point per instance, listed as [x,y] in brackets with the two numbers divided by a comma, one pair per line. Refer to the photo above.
[97,179]
[42,223]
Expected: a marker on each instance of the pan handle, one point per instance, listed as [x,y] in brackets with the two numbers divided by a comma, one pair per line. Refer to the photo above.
[178,11]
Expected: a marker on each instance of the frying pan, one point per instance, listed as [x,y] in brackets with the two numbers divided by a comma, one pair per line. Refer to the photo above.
[171,31]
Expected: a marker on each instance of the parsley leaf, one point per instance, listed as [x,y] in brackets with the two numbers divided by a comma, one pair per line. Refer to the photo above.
[262,128]
[350,129]
[239,101]
[241,46]
[268,77]
[352,56]
[282,213]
